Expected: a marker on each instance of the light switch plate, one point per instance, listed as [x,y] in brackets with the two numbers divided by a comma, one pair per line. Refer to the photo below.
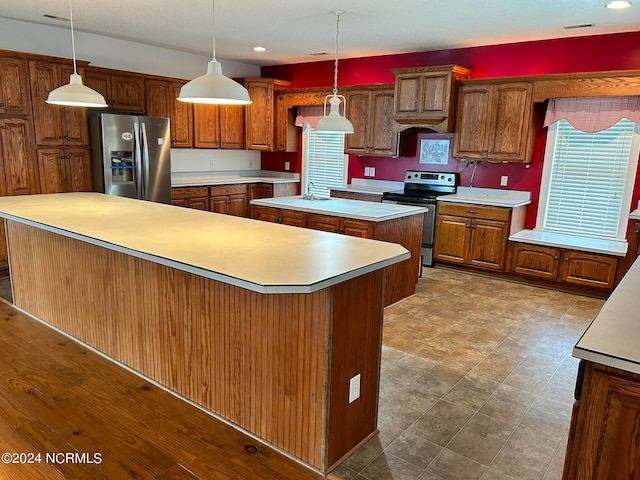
[372,171]
[354,388]
[287,165]
[504,179]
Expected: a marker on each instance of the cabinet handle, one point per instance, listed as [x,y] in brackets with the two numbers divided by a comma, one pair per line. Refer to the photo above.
[472,211]
[66,137]
[555,257]
[566,259]
[60,137]
[4,127]
[1,104]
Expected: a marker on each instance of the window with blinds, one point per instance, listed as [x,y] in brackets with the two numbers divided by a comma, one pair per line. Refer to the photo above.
[324,162]
[588,180]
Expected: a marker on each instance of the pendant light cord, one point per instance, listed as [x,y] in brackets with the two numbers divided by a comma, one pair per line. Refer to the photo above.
[213,27]
[335,68]
[73,40]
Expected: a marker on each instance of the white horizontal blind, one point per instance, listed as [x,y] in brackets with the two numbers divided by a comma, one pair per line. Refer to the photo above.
[587,181]
[325,162]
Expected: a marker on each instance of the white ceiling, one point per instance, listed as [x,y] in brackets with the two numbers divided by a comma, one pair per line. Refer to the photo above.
[292,30]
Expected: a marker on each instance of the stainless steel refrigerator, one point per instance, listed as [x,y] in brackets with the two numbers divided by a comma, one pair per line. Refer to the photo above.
[131,156]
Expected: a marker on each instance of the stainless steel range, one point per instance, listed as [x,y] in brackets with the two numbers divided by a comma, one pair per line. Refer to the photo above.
[422,189]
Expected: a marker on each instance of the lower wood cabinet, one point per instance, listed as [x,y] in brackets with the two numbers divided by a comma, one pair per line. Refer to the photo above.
[604,439]
[279,215]
[18,163]
[566,266]
[346,226]
[473,235]
[65,170]
[191,197]
[229,199]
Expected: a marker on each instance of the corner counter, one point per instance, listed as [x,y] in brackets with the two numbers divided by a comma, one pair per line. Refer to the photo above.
[262,325]
[604,440]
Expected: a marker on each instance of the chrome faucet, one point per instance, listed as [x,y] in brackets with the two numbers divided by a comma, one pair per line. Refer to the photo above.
[309,195]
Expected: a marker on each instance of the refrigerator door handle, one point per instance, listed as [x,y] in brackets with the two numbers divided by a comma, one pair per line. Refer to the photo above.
[145,162]
[138,161]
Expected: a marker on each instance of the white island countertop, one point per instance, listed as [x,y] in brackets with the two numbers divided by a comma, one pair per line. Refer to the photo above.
[259,256]
[341,207]
[613,337]
[488,196]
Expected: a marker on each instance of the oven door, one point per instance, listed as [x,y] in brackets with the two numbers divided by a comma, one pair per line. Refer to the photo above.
[428,227]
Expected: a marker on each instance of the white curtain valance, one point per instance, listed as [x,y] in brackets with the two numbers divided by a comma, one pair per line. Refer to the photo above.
[593,114]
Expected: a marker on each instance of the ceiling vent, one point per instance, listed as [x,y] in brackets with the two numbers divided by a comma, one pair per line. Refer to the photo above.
[582,25]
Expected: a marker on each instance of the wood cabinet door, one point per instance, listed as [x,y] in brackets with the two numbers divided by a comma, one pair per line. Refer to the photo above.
[359,114]
[607,434]
[452,238]
[488,244]
[237,205]
[266,214]
[157,93]
[407,95]
[434,95]
[206,126]
[472,121]
[383,140]
[15,97]
[218,204]
[259,116]
[281,123]
[232,126]
[356,228]
[588,269]
[99,81]
[324,223]
[127,93]
[535,260]
[75,122]
[293,218]
[78,170]
[199,203]
[44,77]
[266,190]
[19,168]
[51,167]
[181,115]
[509,133]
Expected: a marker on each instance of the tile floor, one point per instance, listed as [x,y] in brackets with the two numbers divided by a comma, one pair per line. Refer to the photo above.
[477,382]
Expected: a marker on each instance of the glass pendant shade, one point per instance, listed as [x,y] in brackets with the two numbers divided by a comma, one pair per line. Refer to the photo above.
[75,94]
[618,4]
[334,122]
[213,87]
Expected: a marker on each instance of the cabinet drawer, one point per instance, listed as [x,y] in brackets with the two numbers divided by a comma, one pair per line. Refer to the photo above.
[189,192]
[233,189]
[474,211]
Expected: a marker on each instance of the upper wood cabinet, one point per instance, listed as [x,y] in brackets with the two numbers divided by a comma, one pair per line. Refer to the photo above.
[55,125]
[122,91]
[286,131]
[370,110]
[218,126]
[260,117]
[15,97]
[161,101]
[18,165]
[495,121]
[427,95]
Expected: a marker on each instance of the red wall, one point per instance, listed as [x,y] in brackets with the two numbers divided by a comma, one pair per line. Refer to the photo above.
[568,55]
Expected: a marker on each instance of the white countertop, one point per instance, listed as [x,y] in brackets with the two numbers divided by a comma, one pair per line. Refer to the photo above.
[341,207]
[488,196]
[222,180]
[559,240]
[635,215]
[259,256]
[613,338]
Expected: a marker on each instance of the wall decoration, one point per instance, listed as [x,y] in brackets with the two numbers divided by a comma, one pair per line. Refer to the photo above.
[436,149]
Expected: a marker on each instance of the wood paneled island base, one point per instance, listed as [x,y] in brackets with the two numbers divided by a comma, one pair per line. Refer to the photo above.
[265,326]
[263,362]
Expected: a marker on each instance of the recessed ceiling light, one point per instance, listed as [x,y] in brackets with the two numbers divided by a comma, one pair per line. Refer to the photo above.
[55,17]
[318,54]
[259,49]
[618,4]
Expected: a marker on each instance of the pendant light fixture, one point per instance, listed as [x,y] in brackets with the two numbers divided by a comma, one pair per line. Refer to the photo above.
[75,94]
[213,87]
[334,122]
[618,4]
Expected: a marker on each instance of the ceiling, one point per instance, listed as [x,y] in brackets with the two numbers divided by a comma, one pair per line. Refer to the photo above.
[294,30]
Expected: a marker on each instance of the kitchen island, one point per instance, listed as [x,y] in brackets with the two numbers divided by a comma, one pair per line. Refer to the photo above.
[387,222]
[604,439]
[266,326]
